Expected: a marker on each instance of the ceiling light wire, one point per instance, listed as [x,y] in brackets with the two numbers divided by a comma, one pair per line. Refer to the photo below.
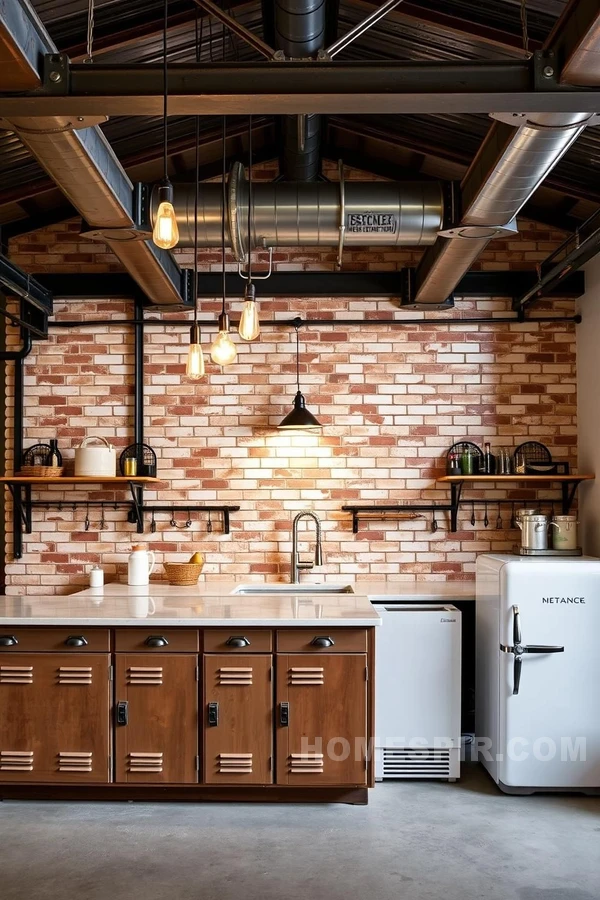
[90,33]
[524,25]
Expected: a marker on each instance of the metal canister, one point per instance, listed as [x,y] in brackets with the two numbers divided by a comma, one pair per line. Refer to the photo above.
[534,532]
[525,512]
[564,532]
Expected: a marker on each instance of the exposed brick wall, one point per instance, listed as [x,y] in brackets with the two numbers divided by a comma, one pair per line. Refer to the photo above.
[392,401]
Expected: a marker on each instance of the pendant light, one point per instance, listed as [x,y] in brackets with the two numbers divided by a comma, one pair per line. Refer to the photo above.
[165,233]
[300,416]
[223,351]
[195,360]
[249,327]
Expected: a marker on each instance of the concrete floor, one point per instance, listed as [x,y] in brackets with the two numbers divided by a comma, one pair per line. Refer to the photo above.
[415,841]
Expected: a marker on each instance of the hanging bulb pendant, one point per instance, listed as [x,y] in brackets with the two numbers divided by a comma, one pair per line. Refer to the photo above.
[195,359]
[223,351]
[249,327]
[165,233]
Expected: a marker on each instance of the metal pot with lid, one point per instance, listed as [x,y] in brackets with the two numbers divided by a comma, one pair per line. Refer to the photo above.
[534,532]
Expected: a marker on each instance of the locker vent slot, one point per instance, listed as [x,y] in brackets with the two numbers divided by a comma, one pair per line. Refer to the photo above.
[306,675]
[75,675]
[16,760]
[235,763]
[74,762]
[145,762]
[305,763]
[145,675]
[16,674]
[234,675]
[405,762]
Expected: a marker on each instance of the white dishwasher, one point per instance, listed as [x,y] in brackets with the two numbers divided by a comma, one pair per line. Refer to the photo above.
[417,691]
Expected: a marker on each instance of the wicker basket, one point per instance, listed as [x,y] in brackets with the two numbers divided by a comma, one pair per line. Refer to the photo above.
[183,573]
[41,471]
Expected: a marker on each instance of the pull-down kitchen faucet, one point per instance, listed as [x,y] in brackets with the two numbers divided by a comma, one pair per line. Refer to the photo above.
[318,560]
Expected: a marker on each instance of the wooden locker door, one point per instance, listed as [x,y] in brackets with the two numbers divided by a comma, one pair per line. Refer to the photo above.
[55,717]
[324,739]
[159,743]
[239,748]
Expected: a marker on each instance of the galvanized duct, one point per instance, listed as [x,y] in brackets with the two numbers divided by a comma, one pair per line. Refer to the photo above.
[310,214]
[300,33]
[79,159]
[509,167]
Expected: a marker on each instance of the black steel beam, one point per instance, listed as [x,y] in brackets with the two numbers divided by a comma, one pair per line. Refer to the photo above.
[15,281]
[301,87]
[564,263]
[315,284]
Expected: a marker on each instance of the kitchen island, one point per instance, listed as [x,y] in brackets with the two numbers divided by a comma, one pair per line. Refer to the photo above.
[184,694]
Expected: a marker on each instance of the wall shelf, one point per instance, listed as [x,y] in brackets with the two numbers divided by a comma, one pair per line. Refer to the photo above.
[568,483]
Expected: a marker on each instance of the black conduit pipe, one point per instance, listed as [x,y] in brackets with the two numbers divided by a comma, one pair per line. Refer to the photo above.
[312,323]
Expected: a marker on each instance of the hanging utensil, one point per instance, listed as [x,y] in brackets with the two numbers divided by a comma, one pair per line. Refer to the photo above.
[153,523]
[86,524]
[102,520]
[513,520]
[188,522]
[499,525]
[209,525]
[486,521]
[434,524]
[473,513]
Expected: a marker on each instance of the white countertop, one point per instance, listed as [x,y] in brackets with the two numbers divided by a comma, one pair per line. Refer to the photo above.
[212,603]
[330,610]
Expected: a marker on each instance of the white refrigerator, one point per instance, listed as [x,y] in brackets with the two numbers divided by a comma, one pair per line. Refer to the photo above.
[538,672]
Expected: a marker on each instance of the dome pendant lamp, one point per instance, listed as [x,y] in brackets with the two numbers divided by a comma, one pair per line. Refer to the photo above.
[165,233]
[223,351]
[300,417]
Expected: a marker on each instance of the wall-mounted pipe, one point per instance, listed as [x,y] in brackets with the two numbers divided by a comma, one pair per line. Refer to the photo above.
[392,214]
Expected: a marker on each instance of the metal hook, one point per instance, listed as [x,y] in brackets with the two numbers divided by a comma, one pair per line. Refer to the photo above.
[153,523]
[102,521]
[499,519]
[434,524]
[188,523]
[209,526]
[173,520]
[87,517]
[74,506]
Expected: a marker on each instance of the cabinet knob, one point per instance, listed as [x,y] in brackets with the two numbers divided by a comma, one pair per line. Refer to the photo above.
[238,641]
[322,641]
[76,640]
[156,640]
[8,640]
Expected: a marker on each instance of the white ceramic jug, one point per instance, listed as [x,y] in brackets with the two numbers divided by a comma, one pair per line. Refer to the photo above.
[140,564]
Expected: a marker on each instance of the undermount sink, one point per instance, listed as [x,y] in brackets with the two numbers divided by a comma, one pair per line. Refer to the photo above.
[294,589]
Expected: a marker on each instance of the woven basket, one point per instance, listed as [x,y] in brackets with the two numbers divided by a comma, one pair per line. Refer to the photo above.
[183,573]
[41,471]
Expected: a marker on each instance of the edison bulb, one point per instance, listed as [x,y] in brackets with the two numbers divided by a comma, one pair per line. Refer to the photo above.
[165,233]
[223,351]
[249,327]
[195,362]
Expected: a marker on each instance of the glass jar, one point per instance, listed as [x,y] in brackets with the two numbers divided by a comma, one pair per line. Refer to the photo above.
[467,462]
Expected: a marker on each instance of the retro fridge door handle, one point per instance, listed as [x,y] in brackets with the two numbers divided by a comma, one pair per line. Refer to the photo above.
[542,648]
[517,674]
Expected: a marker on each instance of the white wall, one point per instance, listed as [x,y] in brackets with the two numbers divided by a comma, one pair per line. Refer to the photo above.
[588,408]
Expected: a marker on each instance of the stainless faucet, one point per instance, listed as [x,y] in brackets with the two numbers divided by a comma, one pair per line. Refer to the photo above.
[297,565]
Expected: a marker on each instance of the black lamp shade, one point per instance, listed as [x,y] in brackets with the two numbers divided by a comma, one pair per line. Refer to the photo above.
[300,416]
